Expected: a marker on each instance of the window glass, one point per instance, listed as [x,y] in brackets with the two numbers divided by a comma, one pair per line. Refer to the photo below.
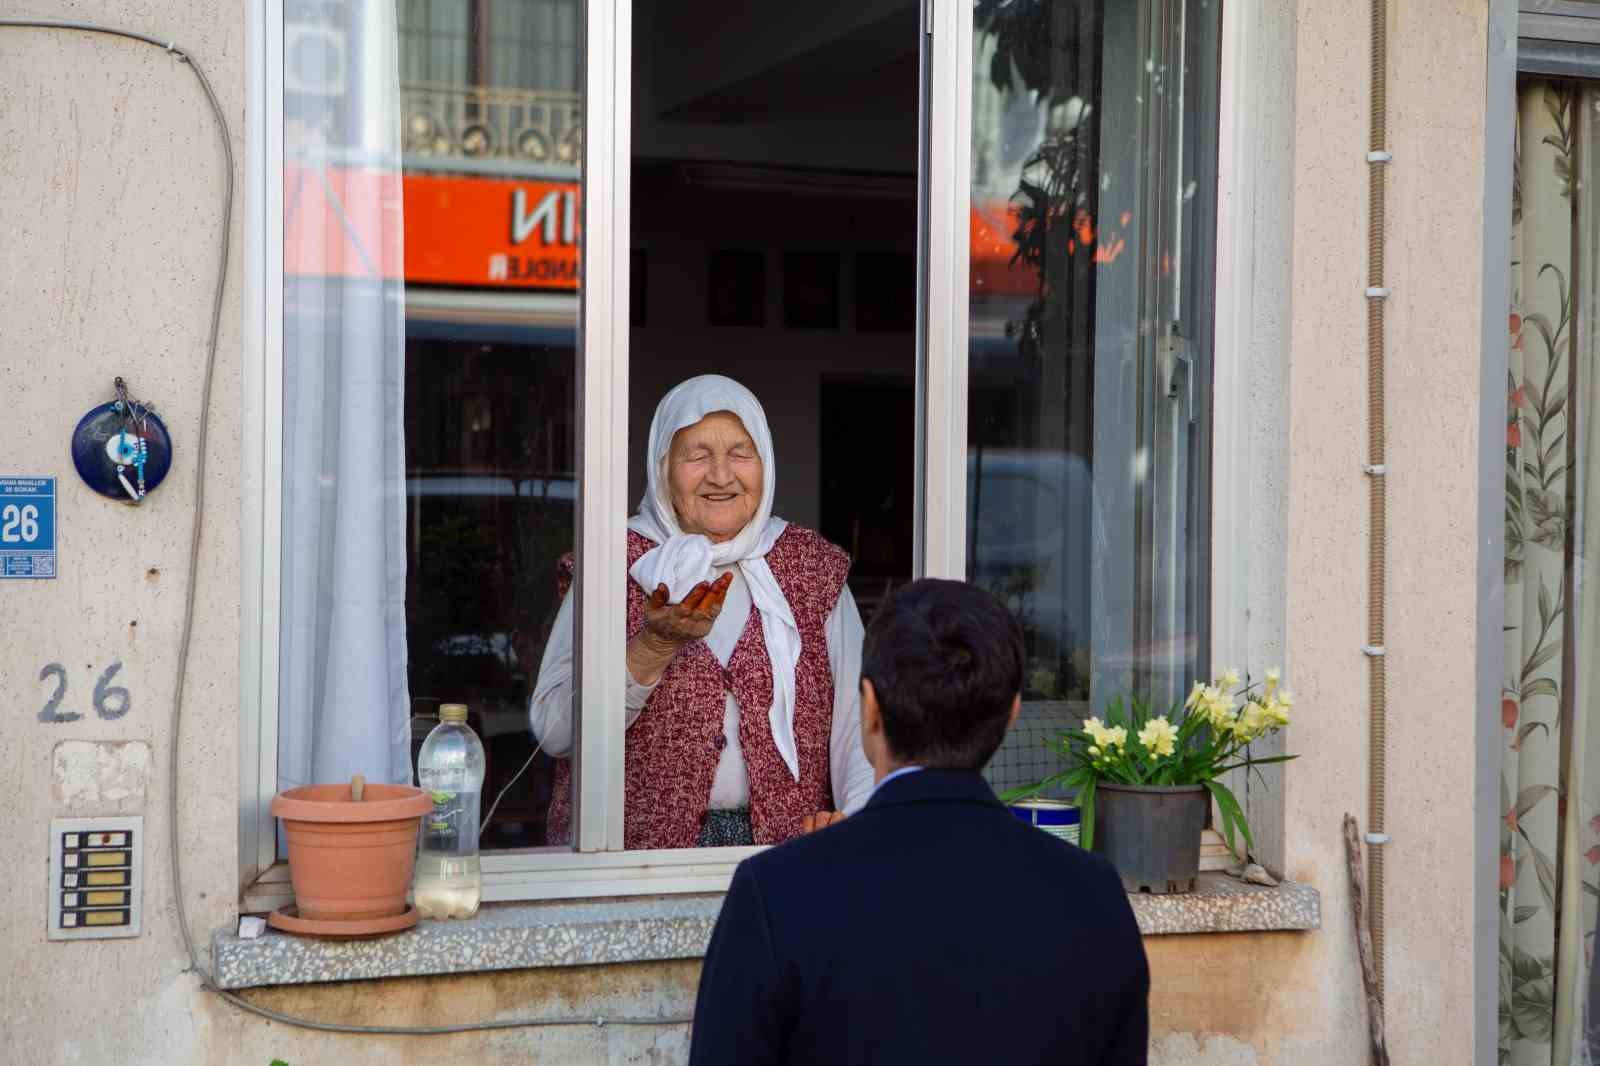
[774,230]
[1091,227]
[431,214]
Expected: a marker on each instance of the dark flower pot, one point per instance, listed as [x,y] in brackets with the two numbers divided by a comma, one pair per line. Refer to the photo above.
[1151,834]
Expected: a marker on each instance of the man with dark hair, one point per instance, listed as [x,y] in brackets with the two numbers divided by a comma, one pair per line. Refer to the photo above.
[932,927]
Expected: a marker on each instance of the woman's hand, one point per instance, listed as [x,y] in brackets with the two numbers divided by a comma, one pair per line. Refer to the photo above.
[821,820]
[679,623]
[669,626]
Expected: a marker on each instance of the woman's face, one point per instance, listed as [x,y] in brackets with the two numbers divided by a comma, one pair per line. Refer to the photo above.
[715,476]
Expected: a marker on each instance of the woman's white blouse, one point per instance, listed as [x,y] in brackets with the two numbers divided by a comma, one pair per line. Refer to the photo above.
[550,709]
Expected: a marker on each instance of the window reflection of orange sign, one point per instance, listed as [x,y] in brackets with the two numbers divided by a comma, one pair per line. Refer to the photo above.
[991,248]
[490,232]
[473,232]
[992,236]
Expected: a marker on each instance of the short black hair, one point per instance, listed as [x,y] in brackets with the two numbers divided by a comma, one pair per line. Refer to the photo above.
[945,659]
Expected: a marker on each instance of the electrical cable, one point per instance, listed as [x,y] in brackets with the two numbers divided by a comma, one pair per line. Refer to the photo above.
[1377,486]
[207,981]
[534,754]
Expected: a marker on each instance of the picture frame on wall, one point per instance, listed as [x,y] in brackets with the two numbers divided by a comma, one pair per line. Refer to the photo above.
[736,288]
[885,290]
[811,290]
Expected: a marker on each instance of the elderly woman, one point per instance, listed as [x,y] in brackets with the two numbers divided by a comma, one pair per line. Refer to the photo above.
[744,647]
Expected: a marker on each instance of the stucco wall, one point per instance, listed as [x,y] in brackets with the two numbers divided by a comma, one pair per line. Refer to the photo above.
[1435,214]
[111,177]
[108,191]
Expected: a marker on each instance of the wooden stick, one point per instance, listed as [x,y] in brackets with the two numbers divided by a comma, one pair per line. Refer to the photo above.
[1369,968]
[358,786]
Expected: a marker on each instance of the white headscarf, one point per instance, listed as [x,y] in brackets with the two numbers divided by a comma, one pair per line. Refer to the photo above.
[683,560]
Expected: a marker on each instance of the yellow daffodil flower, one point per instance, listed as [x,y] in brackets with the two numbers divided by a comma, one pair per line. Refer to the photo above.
[1252,722]
[1159,737]
[1217,708]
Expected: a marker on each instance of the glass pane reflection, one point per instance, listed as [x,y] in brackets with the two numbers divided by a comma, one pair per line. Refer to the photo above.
[1088,397]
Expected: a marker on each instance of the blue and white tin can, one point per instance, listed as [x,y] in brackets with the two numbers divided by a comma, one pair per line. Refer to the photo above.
[1056,817]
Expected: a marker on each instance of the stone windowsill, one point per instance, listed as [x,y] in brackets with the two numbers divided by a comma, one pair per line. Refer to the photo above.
[513,936]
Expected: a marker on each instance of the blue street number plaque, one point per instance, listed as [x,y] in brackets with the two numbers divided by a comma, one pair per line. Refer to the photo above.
[27,527]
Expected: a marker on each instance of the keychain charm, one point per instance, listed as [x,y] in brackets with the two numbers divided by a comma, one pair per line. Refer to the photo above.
[121,449]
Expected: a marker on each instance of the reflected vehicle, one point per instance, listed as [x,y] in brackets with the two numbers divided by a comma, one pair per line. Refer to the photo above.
[1037,538]
[1029,517]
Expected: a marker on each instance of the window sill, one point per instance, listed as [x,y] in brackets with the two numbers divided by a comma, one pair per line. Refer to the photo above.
[515,936]
[1222,904]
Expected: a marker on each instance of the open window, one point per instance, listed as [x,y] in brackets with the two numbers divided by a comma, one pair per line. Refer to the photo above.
[969,281]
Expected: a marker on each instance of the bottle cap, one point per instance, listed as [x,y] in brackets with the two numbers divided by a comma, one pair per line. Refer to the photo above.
[453,712]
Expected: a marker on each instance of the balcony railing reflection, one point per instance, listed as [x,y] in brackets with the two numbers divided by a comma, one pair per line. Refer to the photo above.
[472,128]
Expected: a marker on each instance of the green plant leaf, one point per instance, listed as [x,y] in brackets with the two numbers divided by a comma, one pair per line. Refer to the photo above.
[1022,792]
[1268,761]
[1540,686]
[1524,912]
[1085,801]
[1547,874]
[1531,797]
[1539,658]
[1232,815]
[1527,730]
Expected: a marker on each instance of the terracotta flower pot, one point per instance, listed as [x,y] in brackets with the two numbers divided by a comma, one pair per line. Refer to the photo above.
[351,860]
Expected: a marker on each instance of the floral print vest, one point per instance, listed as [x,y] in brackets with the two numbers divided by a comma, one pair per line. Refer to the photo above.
[674,745]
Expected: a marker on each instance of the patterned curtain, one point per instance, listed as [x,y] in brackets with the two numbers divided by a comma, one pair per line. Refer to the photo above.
[1549,833]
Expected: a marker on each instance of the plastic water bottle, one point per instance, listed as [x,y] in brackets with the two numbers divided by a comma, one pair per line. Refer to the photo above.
[450,769]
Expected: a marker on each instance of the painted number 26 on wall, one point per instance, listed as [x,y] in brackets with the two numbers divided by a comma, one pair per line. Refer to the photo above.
[110,701]
[19,525]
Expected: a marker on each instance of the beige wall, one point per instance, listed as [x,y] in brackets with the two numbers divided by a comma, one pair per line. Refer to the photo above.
[110,185]
[108,182]
[1435,208]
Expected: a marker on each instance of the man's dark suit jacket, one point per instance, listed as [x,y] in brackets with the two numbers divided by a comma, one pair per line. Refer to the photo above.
[931,927]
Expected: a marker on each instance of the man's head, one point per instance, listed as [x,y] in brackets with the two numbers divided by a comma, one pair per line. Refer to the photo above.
[941,677]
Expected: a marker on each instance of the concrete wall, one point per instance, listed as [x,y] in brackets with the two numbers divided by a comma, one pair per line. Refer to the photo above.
[1436,97]
[108,180]
[111,176]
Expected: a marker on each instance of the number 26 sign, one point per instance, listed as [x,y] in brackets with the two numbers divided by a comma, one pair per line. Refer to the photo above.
[27,527]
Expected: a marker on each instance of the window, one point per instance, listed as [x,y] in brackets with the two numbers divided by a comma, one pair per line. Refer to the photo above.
[501,232]
[1089,344]
[429,423]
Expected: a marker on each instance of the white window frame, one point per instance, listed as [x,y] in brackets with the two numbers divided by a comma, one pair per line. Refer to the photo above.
[598,865]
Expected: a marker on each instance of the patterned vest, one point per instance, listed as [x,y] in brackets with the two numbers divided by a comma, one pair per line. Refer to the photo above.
[674,745]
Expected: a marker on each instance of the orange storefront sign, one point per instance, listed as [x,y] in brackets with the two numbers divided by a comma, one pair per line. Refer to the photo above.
[458,231]
[488,232]
[482,232]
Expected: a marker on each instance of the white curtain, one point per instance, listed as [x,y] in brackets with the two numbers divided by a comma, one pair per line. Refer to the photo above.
[1550,778]
[344,706]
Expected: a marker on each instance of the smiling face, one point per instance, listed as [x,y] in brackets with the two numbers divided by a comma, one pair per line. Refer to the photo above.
[715,476]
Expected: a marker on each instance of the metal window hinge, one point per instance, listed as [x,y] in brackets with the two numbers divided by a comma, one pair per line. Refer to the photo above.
[927,17]
[1177,364]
